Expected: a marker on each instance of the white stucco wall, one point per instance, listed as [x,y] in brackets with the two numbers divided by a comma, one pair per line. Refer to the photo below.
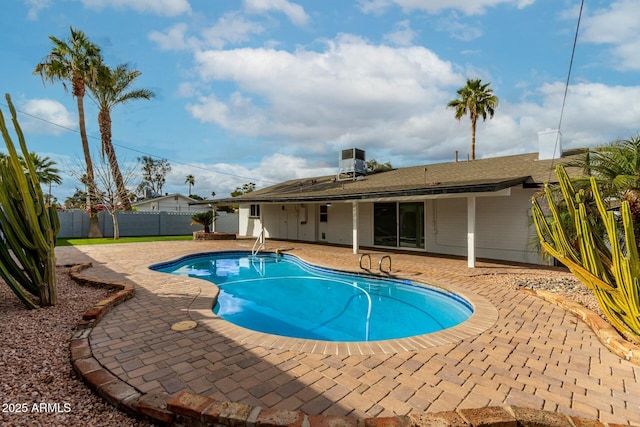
[169,204]
[502,225]
[247,226]
[281,221]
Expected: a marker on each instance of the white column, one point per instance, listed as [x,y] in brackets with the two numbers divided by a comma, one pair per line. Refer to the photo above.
[471,232]
[213,223]
[354,210]
[262,239]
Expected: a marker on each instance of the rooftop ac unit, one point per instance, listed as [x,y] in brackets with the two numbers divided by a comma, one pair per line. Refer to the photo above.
[352,163]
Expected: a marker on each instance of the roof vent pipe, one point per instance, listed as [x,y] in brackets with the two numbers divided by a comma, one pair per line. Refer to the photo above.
[549,144]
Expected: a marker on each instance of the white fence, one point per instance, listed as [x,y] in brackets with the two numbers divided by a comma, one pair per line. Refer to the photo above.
[75,223]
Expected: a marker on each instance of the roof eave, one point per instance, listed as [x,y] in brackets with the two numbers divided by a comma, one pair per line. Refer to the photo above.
[423,191]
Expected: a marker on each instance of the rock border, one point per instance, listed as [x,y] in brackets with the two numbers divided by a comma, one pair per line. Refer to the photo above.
[189,409]
[606,333]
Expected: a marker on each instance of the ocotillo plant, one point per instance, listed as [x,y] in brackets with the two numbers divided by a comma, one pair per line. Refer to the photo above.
[607,264]
[27,227]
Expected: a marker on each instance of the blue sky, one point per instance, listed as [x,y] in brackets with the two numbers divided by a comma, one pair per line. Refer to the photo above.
[269,90]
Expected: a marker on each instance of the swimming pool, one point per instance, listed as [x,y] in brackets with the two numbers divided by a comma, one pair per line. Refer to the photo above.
[282,295]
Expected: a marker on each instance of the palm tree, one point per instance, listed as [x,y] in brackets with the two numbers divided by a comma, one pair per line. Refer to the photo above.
[113,87]
[75,60]
[203,218]
[478,100]
[617,166]
[191,181]
[46,171]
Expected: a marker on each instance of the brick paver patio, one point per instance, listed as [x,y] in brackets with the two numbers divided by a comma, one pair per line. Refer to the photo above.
[533,354]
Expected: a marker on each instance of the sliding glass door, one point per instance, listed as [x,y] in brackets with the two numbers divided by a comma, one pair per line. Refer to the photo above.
[411,225]
[398,225]
[385,224]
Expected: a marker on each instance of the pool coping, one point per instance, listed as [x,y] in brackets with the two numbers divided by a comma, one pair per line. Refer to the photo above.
[186,408]
[483,317]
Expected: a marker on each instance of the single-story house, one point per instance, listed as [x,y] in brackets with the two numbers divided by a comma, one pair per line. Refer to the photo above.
[169,203]
[479,208]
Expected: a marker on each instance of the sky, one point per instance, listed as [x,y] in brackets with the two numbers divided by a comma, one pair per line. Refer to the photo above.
[264,91]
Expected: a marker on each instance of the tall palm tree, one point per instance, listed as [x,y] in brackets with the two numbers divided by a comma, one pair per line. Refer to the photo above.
[477,100]
[75,60]
[191,181]
[111,88]
[46,171]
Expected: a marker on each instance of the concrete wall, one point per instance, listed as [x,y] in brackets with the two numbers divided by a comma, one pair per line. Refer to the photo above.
[75,223]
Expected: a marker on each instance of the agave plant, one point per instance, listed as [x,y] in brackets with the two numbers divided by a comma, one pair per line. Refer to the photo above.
[607,263]
[27,227]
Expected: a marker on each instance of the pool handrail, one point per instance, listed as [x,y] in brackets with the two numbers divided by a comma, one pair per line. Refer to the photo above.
[254,249]
[380,263]
[361,258]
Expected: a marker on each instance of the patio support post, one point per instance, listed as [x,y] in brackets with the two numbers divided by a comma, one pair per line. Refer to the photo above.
[213,223]
[261,226]
[471,231]
[354,210]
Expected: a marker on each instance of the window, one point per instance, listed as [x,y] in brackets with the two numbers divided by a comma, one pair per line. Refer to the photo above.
[324,213]
[254,211]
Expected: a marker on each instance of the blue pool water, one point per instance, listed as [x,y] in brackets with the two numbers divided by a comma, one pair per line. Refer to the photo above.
[282,295]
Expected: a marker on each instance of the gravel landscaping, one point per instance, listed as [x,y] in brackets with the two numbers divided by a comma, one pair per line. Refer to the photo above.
[568,288]
[38,386]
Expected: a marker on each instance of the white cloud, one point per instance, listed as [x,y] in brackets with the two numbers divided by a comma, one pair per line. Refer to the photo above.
[617,27]
[223,178]
[476,7]
[375,7]
[159,7]
[458,29]
[291,167]
[403,34]
[293,11]
[231,28]
[35,7]
[390,101]
[175,38]
[46,116]
[350,87]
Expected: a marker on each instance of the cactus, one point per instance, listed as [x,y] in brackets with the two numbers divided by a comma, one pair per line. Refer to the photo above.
[607,263]
[27,228]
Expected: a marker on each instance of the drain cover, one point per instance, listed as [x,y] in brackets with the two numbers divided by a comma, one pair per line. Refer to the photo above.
[185,325]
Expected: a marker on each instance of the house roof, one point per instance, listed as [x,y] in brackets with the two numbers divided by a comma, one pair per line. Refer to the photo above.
[160,198]
[483,175]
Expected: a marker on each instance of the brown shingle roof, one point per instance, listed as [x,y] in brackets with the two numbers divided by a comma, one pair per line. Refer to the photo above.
[489,174]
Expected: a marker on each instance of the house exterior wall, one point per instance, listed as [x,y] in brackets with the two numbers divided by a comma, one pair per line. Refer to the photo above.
[339,224]
[308,218]
[169,204]
[365,224]
[250,226]
[503,229]
[282,221]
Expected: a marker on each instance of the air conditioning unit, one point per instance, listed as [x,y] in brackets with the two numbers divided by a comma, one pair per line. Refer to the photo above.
[351,163]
